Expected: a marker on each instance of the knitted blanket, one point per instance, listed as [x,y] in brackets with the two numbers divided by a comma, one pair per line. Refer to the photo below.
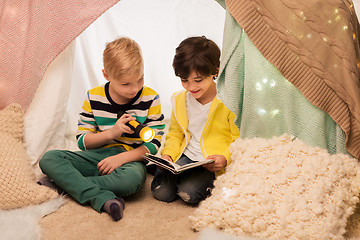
[18,187]
[32,34]
[314,45]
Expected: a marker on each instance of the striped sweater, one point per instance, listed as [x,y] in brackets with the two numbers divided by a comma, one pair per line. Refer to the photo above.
[99,113]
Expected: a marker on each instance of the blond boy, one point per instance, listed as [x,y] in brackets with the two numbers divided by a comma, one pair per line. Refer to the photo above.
[110,165]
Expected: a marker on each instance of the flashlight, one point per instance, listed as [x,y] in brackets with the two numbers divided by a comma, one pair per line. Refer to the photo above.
[145,133]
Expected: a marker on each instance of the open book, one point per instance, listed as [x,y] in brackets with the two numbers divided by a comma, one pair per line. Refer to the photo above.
[173,167]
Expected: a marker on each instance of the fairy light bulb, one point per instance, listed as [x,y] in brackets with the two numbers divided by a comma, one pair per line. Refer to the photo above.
[145,133]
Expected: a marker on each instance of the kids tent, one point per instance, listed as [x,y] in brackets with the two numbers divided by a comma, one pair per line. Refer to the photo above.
[277,75]
[33,34]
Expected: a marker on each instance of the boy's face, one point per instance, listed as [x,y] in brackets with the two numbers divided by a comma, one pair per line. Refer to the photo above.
[201,88]
[124,89]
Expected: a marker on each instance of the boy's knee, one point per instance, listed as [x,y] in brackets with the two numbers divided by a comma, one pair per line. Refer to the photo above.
[135,179]
[163,194]
[163,188]
[193,195]
[126,188]
[137,182]
[46,160]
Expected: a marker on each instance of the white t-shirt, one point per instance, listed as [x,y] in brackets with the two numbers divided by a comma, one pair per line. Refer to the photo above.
[197,116]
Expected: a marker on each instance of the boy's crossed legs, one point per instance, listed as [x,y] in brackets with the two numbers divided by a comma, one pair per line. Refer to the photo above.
[192,185]
[77,174]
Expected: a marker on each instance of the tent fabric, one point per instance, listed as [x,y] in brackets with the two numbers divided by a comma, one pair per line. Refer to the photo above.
[266,103]
[158,26]
[317,52]
[32,34]
[43,22]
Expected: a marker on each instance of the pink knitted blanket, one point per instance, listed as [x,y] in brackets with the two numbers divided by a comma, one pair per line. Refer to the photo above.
[32,34]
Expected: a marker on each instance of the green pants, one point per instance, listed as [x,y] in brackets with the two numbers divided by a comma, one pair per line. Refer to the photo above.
[77,174]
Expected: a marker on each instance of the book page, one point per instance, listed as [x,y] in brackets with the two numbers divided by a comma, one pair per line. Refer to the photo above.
[160,161]
[173,167]
[195,164]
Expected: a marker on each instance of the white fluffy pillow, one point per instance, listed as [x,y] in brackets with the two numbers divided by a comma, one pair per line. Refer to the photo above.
[281,188]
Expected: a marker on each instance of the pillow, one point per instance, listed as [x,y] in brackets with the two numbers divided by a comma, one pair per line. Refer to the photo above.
[281,188]
[18,187]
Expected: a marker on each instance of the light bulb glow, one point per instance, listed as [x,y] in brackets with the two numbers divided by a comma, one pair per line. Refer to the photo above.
[261,111]
[147,134]
[258,86]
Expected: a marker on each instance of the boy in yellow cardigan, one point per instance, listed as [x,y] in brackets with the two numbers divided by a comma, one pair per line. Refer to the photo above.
[201,127]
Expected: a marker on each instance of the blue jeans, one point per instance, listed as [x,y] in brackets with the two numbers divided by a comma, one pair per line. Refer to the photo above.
[192,185]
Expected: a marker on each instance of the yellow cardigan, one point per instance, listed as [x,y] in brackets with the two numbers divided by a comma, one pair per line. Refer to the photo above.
[218,133]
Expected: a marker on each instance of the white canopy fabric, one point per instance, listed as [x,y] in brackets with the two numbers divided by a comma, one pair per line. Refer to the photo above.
[158,26]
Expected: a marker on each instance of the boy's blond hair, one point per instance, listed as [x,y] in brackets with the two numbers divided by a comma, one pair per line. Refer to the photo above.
[122,57]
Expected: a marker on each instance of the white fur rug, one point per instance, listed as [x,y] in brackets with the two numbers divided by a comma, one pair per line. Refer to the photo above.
[23,223]
[214,234]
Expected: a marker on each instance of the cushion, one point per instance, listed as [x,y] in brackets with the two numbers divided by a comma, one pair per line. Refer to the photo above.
[282,188]
[18,186]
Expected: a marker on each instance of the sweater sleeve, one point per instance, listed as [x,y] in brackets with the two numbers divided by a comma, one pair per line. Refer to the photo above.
[155,120]
[234,133]
[86,123]
[174,139]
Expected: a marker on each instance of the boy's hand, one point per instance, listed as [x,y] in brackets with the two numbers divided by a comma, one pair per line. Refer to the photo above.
[119,128]
[109,164]
[167,157]
[218,164]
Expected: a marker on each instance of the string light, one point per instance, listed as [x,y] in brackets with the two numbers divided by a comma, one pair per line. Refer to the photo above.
[258,86]
[261,111]
[272,83]
[275,112]
[266,86]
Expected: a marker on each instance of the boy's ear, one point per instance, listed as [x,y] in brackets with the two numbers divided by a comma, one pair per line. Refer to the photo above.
[216,75]
[106,76]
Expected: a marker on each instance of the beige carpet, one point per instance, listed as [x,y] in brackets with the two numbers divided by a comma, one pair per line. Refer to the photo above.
[144,218]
